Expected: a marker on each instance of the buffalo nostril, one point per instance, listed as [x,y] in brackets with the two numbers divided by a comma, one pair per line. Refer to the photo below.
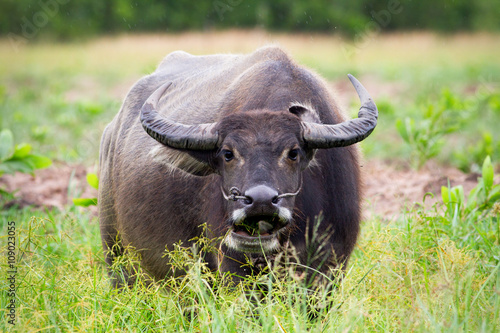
[261,196]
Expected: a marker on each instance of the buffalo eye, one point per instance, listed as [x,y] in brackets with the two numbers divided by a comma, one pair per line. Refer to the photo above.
[293,154]
[228,155]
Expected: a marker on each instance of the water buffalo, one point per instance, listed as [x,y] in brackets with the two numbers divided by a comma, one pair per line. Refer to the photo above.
[253,146]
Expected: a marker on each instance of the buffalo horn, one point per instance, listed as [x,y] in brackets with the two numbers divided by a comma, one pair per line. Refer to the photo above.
[346,133]
[172,134]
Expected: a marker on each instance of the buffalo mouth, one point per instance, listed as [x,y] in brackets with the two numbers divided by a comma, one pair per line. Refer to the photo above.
[257,234]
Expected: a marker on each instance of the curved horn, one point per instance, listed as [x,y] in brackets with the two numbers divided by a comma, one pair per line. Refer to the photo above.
[172,134]
[346,133]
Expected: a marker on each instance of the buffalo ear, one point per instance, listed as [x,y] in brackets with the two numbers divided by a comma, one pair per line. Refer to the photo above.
[194,162]
[304,112]
[307,114]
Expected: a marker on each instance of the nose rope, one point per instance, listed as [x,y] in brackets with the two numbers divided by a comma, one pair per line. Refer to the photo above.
[286,195]
[236,193]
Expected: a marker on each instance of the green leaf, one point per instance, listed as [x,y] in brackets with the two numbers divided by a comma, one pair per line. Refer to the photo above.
[12,166]
[6,144]
[93,180]
[494,194]
[38,161]
[488,174]
[85,202]
[21,151]
[429,111]
[453,195]
[472,200]
[445,194]
[460,194]
[400,126]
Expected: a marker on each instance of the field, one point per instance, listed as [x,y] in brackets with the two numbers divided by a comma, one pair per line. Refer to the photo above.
[423,262]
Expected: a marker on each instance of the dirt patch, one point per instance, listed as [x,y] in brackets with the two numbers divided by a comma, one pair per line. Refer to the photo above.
[52,187]
[389,188]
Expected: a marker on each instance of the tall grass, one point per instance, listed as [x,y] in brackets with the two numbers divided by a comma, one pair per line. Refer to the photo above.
[417,273]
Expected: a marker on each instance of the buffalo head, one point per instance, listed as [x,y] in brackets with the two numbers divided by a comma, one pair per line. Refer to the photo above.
[260,156]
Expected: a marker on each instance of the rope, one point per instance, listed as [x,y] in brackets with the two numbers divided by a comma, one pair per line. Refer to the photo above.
[236,193]
[286,195]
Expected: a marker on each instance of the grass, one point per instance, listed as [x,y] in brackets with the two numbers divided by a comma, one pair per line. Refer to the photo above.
[410,274]
[428,270]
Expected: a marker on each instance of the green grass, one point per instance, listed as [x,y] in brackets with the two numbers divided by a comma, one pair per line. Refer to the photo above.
[412,274]
[428,270]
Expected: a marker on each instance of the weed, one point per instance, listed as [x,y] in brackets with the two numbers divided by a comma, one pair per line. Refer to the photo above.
[425,133]
[18,158]
[481,199]
[471,157]
[93,181]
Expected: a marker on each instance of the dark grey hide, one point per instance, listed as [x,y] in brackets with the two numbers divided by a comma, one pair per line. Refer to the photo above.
[252,145]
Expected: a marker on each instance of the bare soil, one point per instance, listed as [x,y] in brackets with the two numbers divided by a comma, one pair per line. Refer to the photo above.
[51,187]
[389,188]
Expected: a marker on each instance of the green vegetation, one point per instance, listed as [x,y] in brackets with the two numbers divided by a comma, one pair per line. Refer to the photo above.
[25,20]
[425,134]
[18,158]
[428,269]
[93,181]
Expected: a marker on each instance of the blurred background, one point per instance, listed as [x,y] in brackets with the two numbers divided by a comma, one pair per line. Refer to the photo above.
[77,19]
